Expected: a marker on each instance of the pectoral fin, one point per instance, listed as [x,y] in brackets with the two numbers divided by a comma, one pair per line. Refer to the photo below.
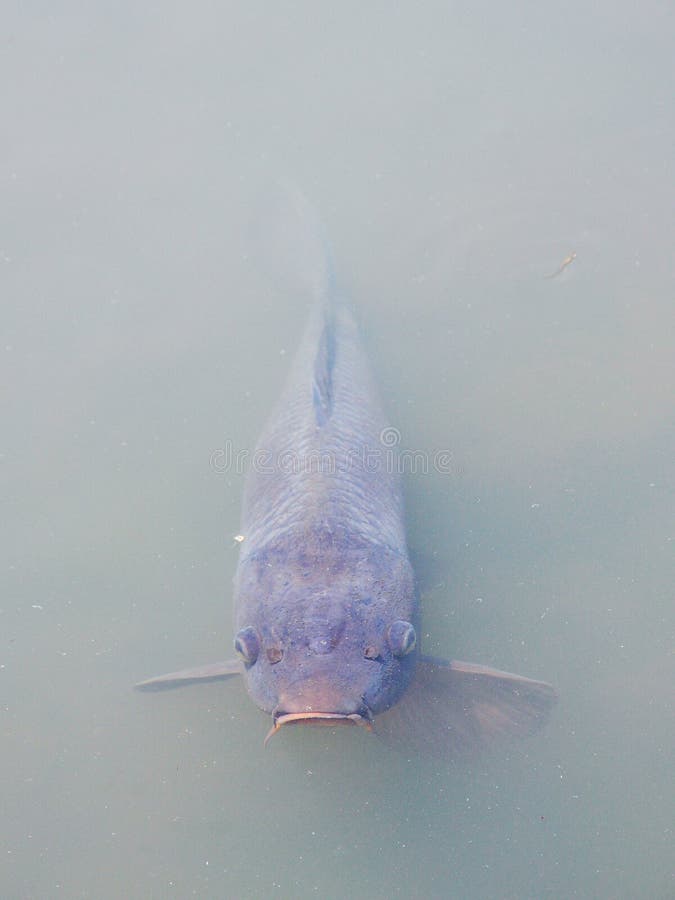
[209,672]
[454,709]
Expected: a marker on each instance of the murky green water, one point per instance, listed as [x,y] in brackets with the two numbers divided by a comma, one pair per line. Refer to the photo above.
[459,155]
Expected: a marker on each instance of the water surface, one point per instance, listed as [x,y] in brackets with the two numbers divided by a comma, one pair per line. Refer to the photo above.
[458,154]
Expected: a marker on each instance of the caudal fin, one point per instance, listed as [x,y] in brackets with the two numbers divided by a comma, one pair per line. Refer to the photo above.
[289,242]
[455,709]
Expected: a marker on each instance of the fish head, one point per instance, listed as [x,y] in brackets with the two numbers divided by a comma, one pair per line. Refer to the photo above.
[336,644]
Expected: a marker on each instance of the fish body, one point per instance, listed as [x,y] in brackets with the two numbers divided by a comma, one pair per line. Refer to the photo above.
[326,610]
[324,589]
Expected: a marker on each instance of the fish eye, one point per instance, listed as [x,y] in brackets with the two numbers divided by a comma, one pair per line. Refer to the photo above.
[371,652]
[247,644]
[401,637]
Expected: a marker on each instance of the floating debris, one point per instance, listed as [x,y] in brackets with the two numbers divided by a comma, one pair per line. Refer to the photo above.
[563,265]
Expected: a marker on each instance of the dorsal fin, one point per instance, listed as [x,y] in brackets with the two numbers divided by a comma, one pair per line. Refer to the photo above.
[322,388]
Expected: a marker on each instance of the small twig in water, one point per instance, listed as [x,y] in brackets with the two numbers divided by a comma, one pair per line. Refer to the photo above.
[563,265]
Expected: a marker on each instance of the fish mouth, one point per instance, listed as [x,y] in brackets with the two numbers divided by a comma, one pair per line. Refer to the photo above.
[319,718]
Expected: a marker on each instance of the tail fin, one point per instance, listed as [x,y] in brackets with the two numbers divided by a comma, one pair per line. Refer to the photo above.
[289,239]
